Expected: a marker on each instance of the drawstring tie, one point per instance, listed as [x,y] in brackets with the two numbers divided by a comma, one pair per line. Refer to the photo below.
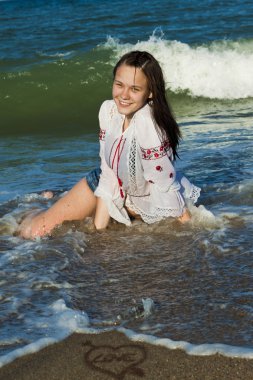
[117,155]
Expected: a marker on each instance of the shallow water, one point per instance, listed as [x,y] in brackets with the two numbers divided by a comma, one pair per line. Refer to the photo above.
[197,278]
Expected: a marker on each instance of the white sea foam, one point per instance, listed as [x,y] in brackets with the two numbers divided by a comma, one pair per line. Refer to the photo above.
[203,217]
[62,322]
[244,189]
[148,305]
[55,55]
[29,349]
[222,70]
[8,224]
[189,348]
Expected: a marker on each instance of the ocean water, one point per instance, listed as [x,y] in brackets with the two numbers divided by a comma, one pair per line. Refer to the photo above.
[181,286]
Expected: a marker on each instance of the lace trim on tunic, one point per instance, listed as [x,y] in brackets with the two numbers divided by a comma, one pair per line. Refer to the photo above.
[195,193]
[159,214]
[132,167]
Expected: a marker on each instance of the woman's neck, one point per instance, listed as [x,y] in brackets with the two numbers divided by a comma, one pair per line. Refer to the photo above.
[126,123]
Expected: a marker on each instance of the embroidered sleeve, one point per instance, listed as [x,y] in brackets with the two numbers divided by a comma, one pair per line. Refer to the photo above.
[156,155]
[155,152]
[107,182]
[105,170]
[102,134]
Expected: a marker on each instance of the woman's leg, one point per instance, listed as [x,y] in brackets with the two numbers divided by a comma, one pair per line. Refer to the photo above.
[78,203]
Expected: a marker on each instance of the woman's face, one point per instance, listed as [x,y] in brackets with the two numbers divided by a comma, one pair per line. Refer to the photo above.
[130,90]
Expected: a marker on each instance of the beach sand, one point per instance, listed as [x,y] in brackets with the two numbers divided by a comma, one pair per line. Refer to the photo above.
[111,355]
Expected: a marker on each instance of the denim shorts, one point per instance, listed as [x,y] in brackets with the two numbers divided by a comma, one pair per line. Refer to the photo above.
[92,178]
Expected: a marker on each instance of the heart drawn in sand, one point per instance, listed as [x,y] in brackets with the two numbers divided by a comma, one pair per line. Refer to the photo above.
[116,361]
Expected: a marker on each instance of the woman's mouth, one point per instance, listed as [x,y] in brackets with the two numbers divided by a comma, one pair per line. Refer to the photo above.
[124,104]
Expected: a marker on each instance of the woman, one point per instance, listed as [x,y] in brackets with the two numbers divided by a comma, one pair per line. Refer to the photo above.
[138,143]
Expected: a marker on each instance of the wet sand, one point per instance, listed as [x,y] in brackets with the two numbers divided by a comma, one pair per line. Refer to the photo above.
[111,355]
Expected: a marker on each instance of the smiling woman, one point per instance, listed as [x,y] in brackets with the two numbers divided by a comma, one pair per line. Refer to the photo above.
[130,91]
[138,143]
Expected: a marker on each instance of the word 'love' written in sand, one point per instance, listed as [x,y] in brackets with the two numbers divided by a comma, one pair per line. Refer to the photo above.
[116,361]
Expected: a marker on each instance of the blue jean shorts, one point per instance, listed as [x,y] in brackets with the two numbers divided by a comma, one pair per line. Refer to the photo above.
[92,178]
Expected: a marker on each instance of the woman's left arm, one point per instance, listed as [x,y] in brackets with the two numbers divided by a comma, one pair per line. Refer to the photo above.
[156,156]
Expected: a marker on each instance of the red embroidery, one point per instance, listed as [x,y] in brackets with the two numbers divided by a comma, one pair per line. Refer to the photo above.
[116,159]
[171,175]
[159,168]
[156,152]
[102,134]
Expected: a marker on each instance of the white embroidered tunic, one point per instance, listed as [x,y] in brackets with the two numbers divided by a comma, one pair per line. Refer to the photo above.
[137,168]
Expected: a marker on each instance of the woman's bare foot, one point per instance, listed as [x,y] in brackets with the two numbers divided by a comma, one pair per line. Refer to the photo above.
[34,225]
[47,194]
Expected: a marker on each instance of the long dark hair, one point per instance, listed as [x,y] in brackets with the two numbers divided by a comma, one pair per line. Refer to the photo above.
[161,110]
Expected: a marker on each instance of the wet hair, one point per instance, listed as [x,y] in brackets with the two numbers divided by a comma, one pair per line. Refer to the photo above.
[162,113]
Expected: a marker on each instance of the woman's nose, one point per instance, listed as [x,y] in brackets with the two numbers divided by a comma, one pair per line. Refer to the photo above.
[125,93]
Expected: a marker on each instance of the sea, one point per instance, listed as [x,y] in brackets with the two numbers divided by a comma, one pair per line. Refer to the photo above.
[182,286]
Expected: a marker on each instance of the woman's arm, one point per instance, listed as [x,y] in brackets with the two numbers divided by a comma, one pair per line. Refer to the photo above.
[156,156]
[102,216]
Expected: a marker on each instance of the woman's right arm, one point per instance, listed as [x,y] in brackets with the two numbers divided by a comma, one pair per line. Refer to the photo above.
[102,217]
[107,192]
